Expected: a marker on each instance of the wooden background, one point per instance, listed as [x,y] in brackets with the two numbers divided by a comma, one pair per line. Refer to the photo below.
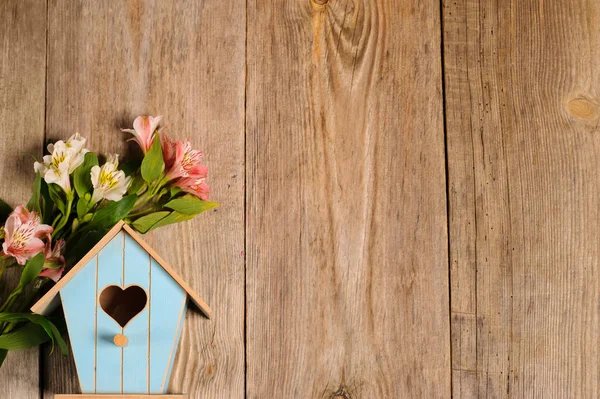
[409,188]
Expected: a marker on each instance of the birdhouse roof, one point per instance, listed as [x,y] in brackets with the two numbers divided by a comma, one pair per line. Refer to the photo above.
[48,302]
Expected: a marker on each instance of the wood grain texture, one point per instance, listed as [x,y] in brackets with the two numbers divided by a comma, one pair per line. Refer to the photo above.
[110,61]
[22,88]
[522,90]
[346,218]
[121,396]
[347,269]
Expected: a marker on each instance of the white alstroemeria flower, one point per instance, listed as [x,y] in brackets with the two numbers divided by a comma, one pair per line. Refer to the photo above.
[75,145]
[108,181]
[55,168]
[64,158]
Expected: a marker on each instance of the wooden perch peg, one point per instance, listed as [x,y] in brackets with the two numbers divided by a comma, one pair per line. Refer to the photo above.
[120,340]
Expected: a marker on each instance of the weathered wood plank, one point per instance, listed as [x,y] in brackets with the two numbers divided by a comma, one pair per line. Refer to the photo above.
[22,96]
[110,61]
[522,89]
[347,269]
[134,396]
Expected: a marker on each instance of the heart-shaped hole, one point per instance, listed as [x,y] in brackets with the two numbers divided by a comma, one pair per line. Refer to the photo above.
[123,304]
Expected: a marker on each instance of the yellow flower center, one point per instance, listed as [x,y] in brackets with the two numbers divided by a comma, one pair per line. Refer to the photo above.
[187,161]
[22,236]
[108,179]
[58,158]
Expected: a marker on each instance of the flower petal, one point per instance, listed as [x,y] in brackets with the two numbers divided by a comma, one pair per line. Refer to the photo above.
[54,274]
[95,172]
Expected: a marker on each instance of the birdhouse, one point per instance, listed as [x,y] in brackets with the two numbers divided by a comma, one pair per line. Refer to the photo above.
[124,307]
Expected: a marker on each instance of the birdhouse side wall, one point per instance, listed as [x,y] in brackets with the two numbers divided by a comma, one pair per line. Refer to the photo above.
[144,365]
[168,305]
[79,305]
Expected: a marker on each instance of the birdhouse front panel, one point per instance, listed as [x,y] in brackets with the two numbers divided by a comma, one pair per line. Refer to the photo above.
[125,314]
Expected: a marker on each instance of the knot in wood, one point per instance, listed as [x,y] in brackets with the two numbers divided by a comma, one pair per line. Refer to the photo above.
[341,394]
[583,108]
[319,5]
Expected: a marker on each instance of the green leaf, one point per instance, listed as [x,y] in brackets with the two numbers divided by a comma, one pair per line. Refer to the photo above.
[16,317]
[47,203]
[28,336]
[145,223]
[190,205]
[34,318]
[173,191]
[153,163]
[34,201]
[174,217]
[81,177]
[55,195]
[108,216]
[83,245]
[62,345]
[83,206]
[3,353]
[49,328]
[136,184]
[31,270]
[130,166]
[5,210]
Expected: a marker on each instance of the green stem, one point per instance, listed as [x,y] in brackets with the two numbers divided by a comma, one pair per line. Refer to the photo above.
[65,219]
[142,213]
[143,200]
[3,266]
[56,219]
[163,181]
[149,195]
[11,299]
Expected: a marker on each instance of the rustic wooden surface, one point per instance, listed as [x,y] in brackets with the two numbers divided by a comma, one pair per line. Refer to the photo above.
[22,87]
[523,91]
[80,396]
[347,285]
[109,61]
[323,127]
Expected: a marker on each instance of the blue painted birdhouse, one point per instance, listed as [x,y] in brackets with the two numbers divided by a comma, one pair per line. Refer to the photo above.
[124,308]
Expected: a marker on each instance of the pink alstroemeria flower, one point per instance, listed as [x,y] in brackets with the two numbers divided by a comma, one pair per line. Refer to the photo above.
[196,186]
[143,131]
[54,263]
[181,160]
[169,148]
[184,166]
[23,233]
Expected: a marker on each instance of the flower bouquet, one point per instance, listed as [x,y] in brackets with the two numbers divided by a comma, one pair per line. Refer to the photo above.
[75,202]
